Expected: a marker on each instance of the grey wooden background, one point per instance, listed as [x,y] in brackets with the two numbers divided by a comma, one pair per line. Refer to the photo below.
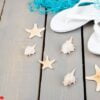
[21,77]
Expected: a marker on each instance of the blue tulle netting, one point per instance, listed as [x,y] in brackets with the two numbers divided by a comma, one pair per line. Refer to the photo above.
[54,6]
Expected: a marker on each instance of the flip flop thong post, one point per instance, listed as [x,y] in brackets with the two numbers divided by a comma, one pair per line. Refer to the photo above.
[73,18]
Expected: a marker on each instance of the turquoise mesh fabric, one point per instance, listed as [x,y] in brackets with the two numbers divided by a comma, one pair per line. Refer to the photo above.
[53,6]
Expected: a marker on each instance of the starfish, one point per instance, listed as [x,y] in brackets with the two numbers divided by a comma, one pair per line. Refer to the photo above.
[35,31]
[47,63]
[96,77]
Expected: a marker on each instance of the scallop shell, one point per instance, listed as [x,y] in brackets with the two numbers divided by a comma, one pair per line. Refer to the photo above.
[68,46]
[69,79]
[30,50]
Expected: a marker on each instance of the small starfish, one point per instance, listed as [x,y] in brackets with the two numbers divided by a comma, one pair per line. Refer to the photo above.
[95,77]
[35,31]
[47,63]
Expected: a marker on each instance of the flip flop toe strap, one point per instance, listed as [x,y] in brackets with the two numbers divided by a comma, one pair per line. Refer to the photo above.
[97,30]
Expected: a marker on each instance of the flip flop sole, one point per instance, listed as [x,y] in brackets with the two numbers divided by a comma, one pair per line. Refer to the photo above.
[61,26]
[73,18]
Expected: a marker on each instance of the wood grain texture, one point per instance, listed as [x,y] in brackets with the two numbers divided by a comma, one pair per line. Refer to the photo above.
[19,75]
[51,86]
[90,61]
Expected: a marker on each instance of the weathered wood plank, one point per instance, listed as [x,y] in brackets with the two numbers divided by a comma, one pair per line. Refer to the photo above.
[19,75]
[51,86]
[90,61]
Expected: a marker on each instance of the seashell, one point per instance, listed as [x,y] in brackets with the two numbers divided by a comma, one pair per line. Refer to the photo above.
[68,46]
[69,79]
[30,50]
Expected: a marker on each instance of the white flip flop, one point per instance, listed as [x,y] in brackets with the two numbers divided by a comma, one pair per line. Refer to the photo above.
[94,41]
[73,18]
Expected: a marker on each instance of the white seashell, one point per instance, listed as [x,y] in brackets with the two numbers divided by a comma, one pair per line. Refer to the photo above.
[30,50]
[68,46]
[69,79]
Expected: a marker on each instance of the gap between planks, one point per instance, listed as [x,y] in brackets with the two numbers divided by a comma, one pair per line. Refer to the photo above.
[83,62]
[2,9]
[42,57]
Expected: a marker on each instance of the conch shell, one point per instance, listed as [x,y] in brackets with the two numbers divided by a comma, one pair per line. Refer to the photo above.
[30,50]
[69,79]
[68,46]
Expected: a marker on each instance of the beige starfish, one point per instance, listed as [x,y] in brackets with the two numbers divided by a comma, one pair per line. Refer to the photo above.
[47,63]
[35,31]
[96,77]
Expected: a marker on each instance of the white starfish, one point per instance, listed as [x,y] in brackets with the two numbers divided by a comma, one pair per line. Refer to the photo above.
[47,63]
[95,77]
[35,31]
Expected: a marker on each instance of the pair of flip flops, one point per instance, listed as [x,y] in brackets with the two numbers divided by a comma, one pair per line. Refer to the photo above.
[73,18]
